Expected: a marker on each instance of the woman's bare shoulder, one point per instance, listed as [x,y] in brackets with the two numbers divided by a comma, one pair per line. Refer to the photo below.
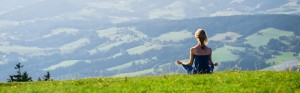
[209,49]
[194,47]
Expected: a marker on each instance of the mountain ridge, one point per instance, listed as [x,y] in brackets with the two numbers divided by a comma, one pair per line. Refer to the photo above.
[117,48]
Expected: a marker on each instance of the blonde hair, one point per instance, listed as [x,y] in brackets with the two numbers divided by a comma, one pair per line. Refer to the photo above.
[201,37]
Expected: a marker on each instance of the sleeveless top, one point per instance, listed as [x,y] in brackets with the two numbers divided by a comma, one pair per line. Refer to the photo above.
[201,63]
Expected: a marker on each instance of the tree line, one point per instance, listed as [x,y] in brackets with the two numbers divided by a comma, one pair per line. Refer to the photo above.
[24,77]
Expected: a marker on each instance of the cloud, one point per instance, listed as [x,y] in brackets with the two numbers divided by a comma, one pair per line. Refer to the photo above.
[237,1]
[226,13]
[172,11]
[83,14]
[7,23]
[88,12]
[291,7]
[115,11]
[123,5]
[3,60]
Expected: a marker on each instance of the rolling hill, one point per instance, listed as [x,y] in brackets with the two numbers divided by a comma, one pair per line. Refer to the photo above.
[79,49]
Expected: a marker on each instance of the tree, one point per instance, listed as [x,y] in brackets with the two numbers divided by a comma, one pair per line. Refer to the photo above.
[25,77]
[18,67]
[19,77]
[39,79]
[47,76]
[275,44]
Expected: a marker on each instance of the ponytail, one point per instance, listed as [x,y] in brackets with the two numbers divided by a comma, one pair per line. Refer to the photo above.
[202,44]
[201,40]
[202,37]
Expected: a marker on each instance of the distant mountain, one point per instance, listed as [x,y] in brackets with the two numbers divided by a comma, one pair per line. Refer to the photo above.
[116,11]
[88,48]
[40,10]
[92,38]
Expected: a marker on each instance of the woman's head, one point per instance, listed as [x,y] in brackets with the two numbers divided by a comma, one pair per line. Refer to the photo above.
[201,37]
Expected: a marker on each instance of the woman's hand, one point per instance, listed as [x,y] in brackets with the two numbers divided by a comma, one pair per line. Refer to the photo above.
[216,63]
[179,62]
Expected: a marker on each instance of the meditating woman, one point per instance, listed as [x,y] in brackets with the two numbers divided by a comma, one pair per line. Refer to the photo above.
[200,56]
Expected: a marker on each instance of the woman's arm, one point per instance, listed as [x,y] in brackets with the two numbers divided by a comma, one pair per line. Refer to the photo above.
[210,59]
[190,61]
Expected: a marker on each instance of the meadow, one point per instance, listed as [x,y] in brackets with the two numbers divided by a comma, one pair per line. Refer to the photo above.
[263,36]
[221,82]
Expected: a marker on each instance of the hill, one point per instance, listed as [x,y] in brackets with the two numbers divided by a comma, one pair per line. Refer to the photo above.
[88,48]
[228,81]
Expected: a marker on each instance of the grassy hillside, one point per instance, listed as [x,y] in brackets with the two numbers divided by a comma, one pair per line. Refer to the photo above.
[89,49]
[218,54]
[263,36]
[229,81]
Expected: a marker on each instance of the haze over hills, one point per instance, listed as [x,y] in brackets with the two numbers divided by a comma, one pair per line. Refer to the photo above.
[117,11]
[76,39]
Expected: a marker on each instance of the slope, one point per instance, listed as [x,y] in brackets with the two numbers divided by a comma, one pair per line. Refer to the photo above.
[228,81]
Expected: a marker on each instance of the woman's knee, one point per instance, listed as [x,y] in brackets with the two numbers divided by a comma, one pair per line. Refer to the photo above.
[188,69]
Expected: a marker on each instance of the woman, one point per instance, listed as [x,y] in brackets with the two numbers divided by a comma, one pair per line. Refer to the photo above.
[201,54]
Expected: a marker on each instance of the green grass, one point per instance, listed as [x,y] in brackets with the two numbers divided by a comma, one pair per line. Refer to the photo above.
[218,55]
[285,56]
[257,40]
[222,36]
[137,73]
[220,82]
[175,36]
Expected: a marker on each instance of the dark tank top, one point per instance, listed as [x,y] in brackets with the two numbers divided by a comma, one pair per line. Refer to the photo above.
[202,63]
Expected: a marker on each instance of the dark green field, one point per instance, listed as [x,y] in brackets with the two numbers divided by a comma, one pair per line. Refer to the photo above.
[221,82]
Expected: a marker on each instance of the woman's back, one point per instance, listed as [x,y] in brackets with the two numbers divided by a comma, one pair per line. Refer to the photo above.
[201,59]
[198,50]
[200,56]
